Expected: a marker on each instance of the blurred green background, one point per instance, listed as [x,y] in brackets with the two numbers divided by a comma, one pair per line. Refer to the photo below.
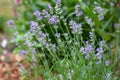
[6,8]
[5,13]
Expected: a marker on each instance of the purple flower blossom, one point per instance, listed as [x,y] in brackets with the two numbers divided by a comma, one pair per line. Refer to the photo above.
[117,26]
[54,19]
[99,56]
[23,52]
[45,14]
[77,11]
[102,43]
[37,13]
[43,35]
[82,49]
[107,62]
[77,6]
[91,34]
[98,62]
[33,51]
[89,21]
[100,50]
[13,39]
[112,4]
[101,17]
[87,57]
[99,10]
[58,1]
[49,6]
[40,18]
[33,24]
[53,47]
[88,49]
[58,9]
[76,28]
[10,22]
[15,33]
[57,35]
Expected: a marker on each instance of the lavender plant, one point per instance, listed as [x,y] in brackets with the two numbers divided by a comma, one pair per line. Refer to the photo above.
[64,54]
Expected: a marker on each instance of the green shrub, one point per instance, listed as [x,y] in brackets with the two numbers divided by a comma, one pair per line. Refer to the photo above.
[63,45]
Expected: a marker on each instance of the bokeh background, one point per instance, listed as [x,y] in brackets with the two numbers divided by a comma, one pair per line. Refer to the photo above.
[6,12]
[8,68]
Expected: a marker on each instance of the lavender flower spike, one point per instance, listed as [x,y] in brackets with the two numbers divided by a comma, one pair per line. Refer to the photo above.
[98,62]
[54,19]
[77,11]
[99,56]
[10,22]
[57,35]
[107,62]
[58,1]
[23,52]
[87,57]
[100,50]
[37,13]
[49,6]
[33,24]
[102,43]
[88,49]
[112,4]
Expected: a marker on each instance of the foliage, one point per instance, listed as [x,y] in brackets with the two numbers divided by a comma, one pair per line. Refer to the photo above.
[2,22]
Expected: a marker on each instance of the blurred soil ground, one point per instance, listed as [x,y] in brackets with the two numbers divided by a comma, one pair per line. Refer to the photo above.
[9,70]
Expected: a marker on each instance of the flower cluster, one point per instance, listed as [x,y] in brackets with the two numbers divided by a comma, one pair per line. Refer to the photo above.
[117,27]
[58,9]
[58,2]
[11,23]
[38,15]
[76,28]
[99,55]
[89,21]
[53,19]
[112,4]
[87,50]
[57,35]
[100,11]
[77,11]
[45,14]
[23,52]
[33,24]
